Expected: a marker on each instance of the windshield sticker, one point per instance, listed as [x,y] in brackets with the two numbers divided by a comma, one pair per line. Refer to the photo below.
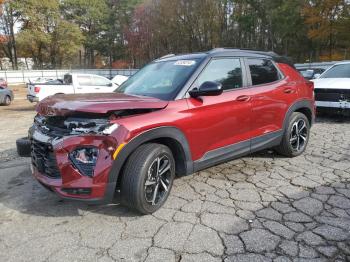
[185,63]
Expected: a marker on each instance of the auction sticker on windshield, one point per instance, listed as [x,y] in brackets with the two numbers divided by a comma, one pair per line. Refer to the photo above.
[185,63]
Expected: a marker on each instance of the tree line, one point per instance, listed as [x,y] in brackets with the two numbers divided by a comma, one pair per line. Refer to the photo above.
[130,33]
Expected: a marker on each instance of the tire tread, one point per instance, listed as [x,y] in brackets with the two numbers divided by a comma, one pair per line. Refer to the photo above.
[133,168]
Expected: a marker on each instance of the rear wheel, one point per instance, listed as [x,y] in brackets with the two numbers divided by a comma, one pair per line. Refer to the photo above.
[296,136]
[147,178]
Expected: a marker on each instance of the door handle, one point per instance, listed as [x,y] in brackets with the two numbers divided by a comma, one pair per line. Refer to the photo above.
[289,90]
[243,98]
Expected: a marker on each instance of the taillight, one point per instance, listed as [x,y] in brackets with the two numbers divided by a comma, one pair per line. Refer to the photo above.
[310,84]
[37,89]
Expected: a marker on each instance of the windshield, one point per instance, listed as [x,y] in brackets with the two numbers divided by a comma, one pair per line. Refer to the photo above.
[162,79]
[337,71]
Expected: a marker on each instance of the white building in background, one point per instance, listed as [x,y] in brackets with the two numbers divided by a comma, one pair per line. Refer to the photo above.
[23,64]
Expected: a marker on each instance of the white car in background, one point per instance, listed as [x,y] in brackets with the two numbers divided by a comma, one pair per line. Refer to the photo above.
[332,88]
[119,79]
[71,84]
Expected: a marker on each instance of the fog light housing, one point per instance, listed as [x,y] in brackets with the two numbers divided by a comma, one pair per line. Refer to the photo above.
[77,191]
[84,159]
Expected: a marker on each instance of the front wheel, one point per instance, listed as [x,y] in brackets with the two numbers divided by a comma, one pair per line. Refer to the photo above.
[148,177]
[7,101]
[296,136]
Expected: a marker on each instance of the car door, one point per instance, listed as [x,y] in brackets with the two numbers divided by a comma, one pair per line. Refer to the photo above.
[84,84]
[101,84]
[271,94]
[221,123]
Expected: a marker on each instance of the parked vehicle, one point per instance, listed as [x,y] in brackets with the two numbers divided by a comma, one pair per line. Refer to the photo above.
[332,89]
[71,84]
[6,96]
[176,116]
[41,80]
[119,79]
[311,73]
[3,82]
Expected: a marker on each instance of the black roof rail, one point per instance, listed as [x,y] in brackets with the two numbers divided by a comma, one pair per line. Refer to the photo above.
[277,58]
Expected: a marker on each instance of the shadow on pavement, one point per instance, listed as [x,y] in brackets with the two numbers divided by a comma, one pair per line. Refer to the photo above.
[21,192]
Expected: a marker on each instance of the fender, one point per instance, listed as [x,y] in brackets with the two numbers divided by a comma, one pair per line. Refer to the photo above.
[305,103]
[156,133]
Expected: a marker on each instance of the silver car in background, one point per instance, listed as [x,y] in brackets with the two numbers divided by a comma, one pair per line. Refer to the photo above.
[6,96]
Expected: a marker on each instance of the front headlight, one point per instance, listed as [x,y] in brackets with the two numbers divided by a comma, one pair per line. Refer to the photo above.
[84,159]
[109,130]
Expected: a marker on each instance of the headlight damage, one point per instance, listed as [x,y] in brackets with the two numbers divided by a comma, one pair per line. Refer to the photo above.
[84,159]
[63,126]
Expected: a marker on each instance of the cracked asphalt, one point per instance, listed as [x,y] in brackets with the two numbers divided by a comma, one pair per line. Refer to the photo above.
[262,207]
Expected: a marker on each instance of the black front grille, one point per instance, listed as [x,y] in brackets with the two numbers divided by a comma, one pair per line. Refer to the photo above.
[332,95]
[44,160]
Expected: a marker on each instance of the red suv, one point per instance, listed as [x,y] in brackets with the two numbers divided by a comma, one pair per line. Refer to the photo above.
[176,116]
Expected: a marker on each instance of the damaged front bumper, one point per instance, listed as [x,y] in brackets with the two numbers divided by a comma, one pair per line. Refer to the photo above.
[53,167]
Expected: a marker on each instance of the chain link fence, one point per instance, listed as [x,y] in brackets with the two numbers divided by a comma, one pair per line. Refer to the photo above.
[23,76]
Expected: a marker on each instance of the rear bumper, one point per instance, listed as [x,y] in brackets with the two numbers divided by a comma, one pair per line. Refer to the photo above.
[32,99]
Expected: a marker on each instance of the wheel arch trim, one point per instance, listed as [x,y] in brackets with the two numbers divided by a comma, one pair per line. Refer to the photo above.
[147,136]
[301,104]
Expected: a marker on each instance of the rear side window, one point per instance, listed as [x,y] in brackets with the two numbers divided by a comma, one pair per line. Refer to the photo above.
[68,79]
[263,71]
[226,71]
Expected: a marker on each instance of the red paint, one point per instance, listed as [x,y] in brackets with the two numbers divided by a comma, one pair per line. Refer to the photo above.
[96,103]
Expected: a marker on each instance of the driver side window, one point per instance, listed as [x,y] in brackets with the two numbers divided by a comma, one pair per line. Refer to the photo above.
[227,71]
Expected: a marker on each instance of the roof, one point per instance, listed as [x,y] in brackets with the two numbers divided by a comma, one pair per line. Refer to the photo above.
[228,52]
[343,63]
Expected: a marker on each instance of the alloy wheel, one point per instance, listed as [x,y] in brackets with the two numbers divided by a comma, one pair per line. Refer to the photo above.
[299,135]
[158,180]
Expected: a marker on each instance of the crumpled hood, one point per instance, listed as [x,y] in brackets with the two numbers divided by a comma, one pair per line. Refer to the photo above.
[330,83]
[96,103]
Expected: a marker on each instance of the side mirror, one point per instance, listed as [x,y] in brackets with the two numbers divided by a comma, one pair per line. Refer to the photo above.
[317,76]
[110,84]
[208,88]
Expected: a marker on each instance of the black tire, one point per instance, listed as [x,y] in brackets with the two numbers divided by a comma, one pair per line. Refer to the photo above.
[294,142]
[23,147]
[139,169]
[6,102]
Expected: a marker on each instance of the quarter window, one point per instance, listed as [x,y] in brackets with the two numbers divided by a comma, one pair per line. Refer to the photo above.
[263,71]
[227,71]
